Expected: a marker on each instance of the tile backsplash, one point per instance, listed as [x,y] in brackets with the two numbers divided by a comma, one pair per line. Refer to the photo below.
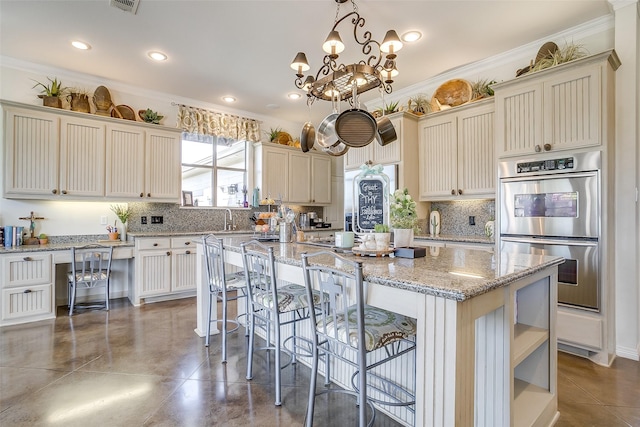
[454,216]
[178,219]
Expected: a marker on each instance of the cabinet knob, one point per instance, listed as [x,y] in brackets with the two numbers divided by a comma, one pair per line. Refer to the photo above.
[64,191]
[459,192]
[187,243]
[168,253]
[148,194]
[188,252]
[547,147]
[141,194]
[453,192]
[537,148]
[27,258]
[155,244]
[27,291]
[54,191]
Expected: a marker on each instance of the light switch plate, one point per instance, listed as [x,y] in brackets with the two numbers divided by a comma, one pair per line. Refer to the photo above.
[103,220]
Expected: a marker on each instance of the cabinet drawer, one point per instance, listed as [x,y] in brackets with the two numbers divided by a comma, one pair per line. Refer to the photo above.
[183,242]
[26,269]
[160,243]
[27,301]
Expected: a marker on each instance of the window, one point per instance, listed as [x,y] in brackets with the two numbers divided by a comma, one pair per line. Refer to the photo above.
[214,169]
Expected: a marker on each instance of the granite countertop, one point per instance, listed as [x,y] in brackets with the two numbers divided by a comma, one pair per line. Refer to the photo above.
[456,238]
[438,273]
[187,233]
[64,246]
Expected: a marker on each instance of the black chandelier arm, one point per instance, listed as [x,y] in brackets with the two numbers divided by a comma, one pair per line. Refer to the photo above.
[387,86]
[299,83]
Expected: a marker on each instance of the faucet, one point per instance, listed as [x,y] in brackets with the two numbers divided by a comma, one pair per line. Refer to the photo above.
[228,227]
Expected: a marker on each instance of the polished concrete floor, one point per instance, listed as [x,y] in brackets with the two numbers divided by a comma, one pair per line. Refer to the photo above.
[145,366]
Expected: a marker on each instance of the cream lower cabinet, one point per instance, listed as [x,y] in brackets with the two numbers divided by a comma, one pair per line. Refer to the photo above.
[566,107]
[27,285]
[165,267]
[456,153]
[63,154]
[286,173]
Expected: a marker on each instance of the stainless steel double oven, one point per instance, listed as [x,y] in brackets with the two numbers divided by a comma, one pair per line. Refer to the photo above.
[550,205]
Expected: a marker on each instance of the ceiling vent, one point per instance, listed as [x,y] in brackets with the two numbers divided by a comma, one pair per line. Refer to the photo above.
[126,5]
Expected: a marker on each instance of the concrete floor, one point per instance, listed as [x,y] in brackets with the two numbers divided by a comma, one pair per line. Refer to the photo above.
[145,366]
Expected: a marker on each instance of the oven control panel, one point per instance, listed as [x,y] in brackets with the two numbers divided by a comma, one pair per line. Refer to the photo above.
[545,165]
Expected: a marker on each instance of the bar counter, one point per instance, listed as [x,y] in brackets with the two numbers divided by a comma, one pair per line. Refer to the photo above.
[486,340]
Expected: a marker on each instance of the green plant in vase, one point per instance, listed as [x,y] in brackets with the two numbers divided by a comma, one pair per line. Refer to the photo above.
[51,92]
[123,212]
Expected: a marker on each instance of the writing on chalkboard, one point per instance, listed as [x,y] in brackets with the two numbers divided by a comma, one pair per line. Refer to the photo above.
[372,203]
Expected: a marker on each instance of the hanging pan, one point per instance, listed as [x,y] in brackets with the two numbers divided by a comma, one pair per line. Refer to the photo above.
[326,135]
[307,137]
[356,127]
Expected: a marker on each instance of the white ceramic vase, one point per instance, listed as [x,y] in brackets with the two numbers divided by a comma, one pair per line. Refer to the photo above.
[123,233]
[403,237]
[383,241]
[434,223]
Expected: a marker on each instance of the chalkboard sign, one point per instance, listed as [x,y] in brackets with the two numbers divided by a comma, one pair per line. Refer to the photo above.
[371,197]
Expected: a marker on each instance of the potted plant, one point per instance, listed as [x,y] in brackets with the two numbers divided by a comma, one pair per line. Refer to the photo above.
[382,236]
[123,212]
[43,238]
[403,218]
[481,88]
[419,104]
[78,99]
[150,116]
[388,109]
[51,93]
[570,52]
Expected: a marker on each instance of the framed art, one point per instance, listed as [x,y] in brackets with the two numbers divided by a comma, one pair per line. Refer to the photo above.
[187,198]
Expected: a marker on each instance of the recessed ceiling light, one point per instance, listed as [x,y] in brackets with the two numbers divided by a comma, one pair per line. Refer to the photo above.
[80,45]
[228,98]
[157,56]
[294,95]
[411,36]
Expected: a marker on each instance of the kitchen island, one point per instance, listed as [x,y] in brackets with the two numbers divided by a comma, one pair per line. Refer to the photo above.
[486,340]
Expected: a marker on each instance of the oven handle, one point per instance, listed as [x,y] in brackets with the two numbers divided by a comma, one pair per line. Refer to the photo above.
[545,241]
[559,175]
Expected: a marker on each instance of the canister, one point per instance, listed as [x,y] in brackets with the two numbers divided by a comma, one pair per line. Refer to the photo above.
[286,232]
[344,239]
[8,236]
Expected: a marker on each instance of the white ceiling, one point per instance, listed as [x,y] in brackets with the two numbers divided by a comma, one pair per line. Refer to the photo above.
[244,48]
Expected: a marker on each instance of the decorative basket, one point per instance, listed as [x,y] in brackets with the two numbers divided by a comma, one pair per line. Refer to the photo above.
[451,93]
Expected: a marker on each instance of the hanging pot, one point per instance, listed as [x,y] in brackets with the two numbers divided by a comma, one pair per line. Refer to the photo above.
[337,150]
[386,131]
[356,128]
[308,137]
[326,135]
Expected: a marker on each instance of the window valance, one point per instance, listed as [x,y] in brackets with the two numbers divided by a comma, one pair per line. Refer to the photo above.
[205,122]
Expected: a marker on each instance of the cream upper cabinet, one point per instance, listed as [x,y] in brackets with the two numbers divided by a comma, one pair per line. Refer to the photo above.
[31,153]
[60,154]
[560,108]
[162,166]
[286,173]
[82,153]
[125,157]
[457,153]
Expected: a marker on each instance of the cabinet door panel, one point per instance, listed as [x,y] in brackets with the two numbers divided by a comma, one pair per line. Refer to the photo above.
[390,153]
[520,120]
[572,109]
[82,157]
[476,163]
[23,302]
[162,166]
[356,157]
[184,270]
[26,269]
[155,272]
[125,162]
[438,157]
[321,179]
[275,174]
[299,173]
[31,153]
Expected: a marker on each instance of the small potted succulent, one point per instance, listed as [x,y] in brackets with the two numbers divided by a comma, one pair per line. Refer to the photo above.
[43,238]
[51,93]
[382,236]
[150,116]
[419,104]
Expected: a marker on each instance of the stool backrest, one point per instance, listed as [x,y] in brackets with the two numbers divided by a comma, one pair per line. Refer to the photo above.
[213,249]
[342,295]
[260,274]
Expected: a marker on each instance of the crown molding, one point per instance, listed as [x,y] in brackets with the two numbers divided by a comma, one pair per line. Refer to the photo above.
[619,4]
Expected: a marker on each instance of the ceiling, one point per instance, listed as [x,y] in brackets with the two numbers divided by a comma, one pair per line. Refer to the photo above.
[244,48]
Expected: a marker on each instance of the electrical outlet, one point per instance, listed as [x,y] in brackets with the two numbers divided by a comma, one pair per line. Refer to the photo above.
[143,220]
[472,220]
[156,219]
[103,220]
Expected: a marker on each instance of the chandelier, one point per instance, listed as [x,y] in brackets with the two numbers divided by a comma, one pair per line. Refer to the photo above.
[335,80]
